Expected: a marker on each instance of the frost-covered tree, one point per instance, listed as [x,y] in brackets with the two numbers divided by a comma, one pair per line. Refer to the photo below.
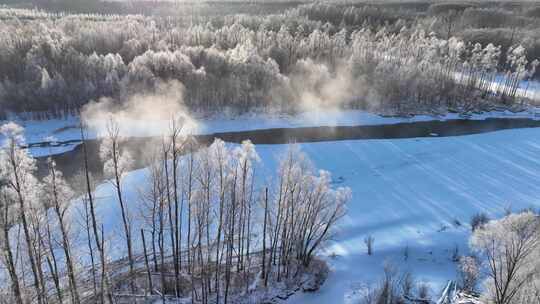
[94,235]
[308,207]
[223,227]
[16,173]
[173,147]
[57,194]
[8,253]
[508,249]
[116,162]
[468,273]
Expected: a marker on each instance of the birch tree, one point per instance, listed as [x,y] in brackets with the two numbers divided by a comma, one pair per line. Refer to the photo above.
[116,163]
[57,192]
[8,255]
[17,168]
[92,223]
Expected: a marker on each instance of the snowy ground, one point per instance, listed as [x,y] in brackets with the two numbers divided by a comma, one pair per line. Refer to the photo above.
[411,192]
[406,192]
[66,129]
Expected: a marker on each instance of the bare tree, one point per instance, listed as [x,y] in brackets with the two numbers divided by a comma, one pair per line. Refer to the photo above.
[177,144]
[264,232]
[50,252]
[369,240]
[105,289]
[116,162]
[220,155]
[146,263]
[57,192]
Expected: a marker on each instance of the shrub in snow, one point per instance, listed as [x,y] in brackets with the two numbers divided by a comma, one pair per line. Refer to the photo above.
[455,254]
[406,252]
[424,291]
[478,220]
[468,273]
[369,240]
[318,273]
[395,287]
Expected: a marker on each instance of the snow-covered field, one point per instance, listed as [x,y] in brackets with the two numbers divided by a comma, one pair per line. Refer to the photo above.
[66,129]
[412,193]
[406,192]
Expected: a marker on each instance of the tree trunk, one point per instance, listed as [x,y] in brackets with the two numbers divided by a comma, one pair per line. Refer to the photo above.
[94,223]
[65,241]
[8,256]
[147,264]
[263,272]
[26,230]
[125,216]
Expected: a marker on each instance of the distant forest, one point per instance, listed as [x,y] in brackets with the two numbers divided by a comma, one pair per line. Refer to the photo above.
[55,56]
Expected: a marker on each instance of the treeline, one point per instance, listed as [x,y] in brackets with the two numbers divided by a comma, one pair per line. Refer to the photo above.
[153,7]
[203,226]
[52,64]
[502,24]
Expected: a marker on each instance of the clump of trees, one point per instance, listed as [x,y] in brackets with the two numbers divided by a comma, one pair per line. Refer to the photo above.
[219,208]
[478,220]
[394,287]
[205,224]
[54,63]
[507,250]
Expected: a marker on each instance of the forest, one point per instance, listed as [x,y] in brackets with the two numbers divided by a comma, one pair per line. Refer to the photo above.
[393,59]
